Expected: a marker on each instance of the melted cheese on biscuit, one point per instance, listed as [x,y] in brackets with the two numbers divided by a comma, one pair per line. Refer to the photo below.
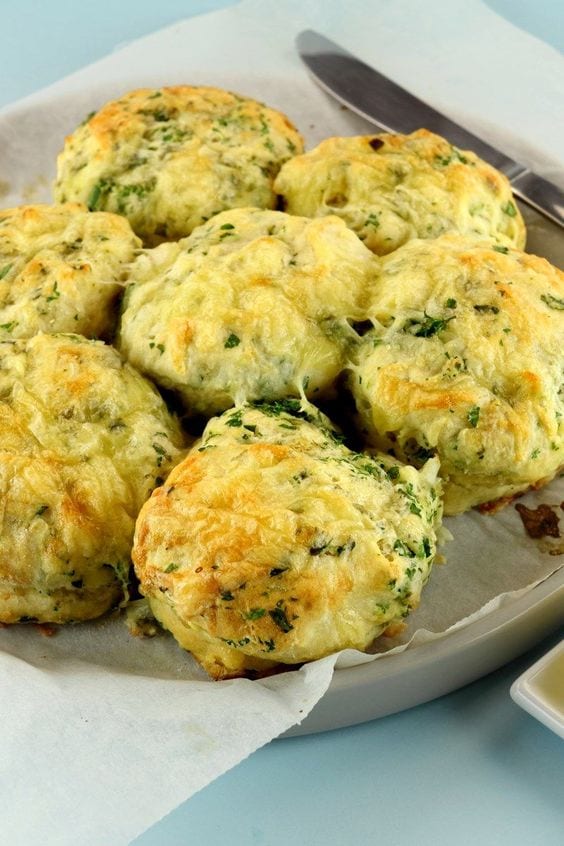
[61,270]
[273,543]
[253,305]
[465,361]
[391,188]
[170,158]
[83,441]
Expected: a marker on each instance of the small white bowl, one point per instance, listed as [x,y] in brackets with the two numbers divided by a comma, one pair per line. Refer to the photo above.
[540,690]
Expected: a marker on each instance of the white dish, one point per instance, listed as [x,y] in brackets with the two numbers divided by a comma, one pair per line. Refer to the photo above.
[540,690]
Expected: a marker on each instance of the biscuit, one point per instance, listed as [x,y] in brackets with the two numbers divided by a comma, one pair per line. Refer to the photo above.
[253,305]
[391,188]
[170,158]
[465,362]
[61,270]
[79,454]
[272,542]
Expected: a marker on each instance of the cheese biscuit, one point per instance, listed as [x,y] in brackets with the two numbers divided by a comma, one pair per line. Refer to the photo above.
[84,439]
[391,188]
[272,542]
[465,362]
[170,158]
[253,305]
[61,270]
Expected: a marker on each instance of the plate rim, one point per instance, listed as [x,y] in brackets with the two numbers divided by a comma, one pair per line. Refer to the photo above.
[383,687]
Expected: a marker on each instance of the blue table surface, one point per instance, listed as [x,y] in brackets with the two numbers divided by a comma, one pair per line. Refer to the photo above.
[469,768]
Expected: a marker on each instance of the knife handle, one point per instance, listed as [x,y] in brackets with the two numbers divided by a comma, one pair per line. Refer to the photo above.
[542,195]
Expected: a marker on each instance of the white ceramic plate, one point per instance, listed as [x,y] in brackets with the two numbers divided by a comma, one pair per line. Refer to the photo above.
[540,690]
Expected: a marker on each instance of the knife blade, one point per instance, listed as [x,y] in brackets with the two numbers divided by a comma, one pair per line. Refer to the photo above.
[381,101]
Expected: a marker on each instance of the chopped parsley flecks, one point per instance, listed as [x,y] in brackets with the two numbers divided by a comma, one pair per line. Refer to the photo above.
[98,194]
[421,453]
[255,614]
[473,416]
[500,249]
[279,617]
[243,641]
[425,549]
[455,156]
[9,326]
[54,295]
[235,419]
[329,548]
[509,209]
[277,571]
[482,309]
[87,119]
[162,454]
[171,567]
[553,302]
[232,341]
[427,327]
[226,226]
[283,406]
[403,549]
[160,115]
[136,189]
[41,510]
[451,303]
[5,270]
[226,595]
[372,220]
[299,477]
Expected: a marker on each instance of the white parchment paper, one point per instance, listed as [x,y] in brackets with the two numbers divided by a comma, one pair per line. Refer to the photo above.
[102,734]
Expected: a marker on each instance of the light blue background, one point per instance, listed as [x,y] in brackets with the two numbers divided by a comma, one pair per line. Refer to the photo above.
[470,769]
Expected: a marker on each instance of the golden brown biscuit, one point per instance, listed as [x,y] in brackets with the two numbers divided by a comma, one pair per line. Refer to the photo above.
[170,158]
[273,543]
[253,305]
[61,269]
[465,362]
[391,188]
[83,441]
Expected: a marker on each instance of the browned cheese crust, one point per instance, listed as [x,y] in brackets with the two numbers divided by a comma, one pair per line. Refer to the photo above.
[274,543]
[83,441]
[170,158]
[391,188]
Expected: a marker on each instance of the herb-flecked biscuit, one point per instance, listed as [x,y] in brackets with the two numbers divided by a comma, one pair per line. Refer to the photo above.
[391,188]
[253,305]
[83,441]
[61,269]
[466,361]
[272,542]
[170,158]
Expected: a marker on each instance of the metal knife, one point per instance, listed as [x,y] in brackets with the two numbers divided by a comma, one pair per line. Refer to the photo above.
[392,108]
